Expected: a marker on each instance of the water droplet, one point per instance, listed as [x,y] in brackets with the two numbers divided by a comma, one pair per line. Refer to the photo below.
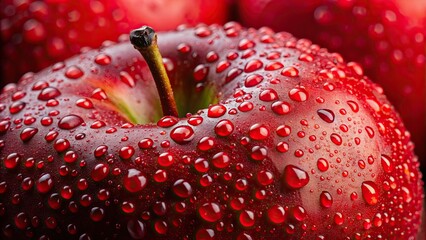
[206,143]
[245,106]
[12,160]
[265,177]
[102,59]
[205,234]
[222,66]
[232,74]
[221,160]
[73,72]
[216,111]
[273,66]
[70,121]
[100,172]
[298,94]
[203,31]
[167,121]
[184,48]
[276,214]
[126,152]
[253,65]
[387,164]
[353,105]
[295,177]
[336,139]
[224,128]
[338,218]
[258,153]
[44,183]
[182,134]
[136,229]
[253,80]
[99,94]
[28,133]
[165,159]
[258,132]
[247,218]
[61,145]
[34,31]
[290,72]
[134,181]
[268,95]
[326,115]
[210,212]
[97,214]
[16,107]
[280,107]
[212,57]
[127,79]
[283,130]
[370,192]
[182,188]
[326,199]
[245,44]
[200,72]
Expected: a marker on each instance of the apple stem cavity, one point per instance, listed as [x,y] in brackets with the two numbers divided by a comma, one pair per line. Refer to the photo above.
[144,40]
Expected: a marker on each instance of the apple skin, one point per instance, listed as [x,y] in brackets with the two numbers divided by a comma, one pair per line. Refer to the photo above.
[386,37]
[308,149]
[36,34]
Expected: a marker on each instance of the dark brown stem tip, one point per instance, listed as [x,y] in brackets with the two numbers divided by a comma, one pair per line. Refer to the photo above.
[143,37]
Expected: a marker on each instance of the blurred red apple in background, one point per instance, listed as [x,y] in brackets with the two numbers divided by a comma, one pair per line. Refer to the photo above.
[36,34]
[386,36]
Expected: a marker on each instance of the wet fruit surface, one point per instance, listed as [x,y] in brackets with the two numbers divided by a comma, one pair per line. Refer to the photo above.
[385,37]
[296,146]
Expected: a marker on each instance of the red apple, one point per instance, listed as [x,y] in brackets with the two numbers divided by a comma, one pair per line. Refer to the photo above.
[386,36]
[276,139]
[35,34]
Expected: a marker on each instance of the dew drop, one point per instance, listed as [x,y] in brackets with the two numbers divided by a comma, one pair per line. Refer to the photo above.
[12,160]
[206,143]
[165,159]
[290,72]
[353,105]
[48,93]
[322,164]
[16,107]
[221,160]
[247,218]
[182,134]
[136,229]
[280,107]
[295,177]
[100,172]
[336,139]
[102,59]
[44,183]
[370,192]
[28,133]
[276,214]
[253,65]
[268,95]
[298,94]
[200,72]
[273,66]
[210,212]
[134,181]
[73,72]
[326,114]
[99,94]
[216,111]
[258,132]
[182,188]
[224,128]
[387,164]
[70,121]
[127,79]
[326,199]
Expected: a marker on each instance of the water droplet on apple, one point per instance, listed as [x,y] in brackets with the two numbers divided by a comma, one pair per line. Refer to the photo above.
[247,218]
[245,44]
[224,128]
[210,212]
[280,107]
[370,192]
[44,183]
[273,66]
[134,181]
[12,160]
[182,188]
[206,143]
[99,172]
[127,79]
[70,121]
[99,94]
[326,199]
[253,65]
[322,164]
[336,139]
[222,66]
[387,163]
[73,72]
[28,133]
[103,59]
[165,159]
[16,107]
[258,132]
[326,114]
[167,121]
[221,160]
[200,72]
[253,80]
[295,177]
[298,94]
[353,105]
[136,229]
[290,72]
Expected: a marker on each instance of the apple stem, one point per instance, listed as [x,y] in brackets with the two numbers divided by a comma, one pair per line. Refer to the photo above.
[144,40]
